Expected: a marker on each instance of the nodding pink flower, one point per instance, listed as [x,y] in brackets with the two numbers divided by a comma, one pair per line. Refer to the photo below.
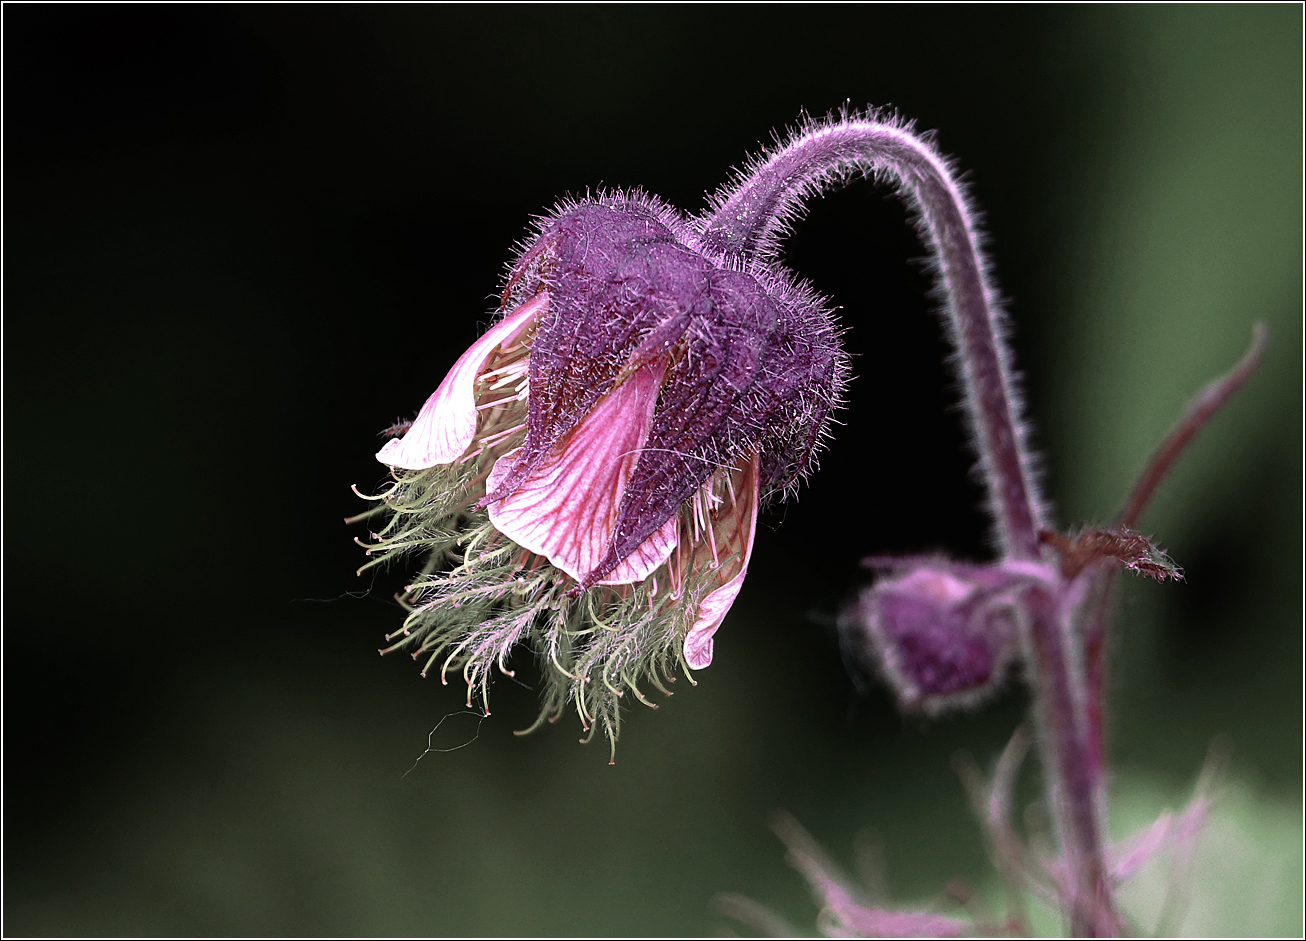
[587,476]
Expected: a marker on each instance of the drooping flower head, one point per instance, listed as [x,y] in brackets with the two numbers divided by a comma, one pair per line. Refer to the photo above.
[587,477]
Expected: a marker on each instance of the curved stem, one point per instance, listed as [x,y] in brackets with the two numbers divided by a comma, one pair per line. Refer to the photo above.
[749,218]
[746,223]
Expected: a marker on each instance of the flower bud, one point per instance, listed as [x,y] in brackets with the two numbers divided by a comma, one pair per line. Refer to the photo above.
[941,634]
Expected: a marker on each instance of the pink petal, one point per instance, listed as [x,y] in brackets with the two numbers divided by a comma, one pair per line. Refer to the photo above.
[646,559]
[713,609]
[566,509]
[1129,855]
[447,422]
[844,913]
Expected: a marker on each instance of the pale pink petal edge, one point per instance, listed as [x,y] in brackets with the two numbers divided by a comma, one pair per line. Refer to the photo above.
[651,554]
[713,609]
[566,509]
[447,422]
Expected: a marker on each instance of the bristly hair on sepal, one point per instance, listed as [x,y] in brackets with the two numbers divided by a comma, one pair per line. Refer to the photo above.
[759,352]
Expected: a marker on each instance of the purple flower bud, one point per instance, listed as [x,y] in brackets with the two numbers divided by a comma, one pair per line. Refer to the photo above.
[592,467]
[942,634]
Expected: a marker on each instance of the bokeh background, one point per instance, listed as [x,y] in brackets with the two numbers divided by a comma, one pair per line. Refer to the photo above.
[239,241]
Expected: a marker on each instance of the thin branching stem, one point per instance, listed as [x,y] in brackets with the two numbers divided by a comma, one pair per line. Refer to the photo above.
[1199,412]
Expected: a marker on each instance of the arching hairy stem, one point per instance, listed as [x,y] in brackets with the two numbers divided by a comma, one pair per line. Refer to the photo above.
[745,224]
[750,216]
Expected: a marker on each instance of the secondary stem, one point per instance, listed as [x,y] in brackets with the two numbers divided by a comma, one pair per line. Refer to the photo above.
[1200,411]
[1209,401]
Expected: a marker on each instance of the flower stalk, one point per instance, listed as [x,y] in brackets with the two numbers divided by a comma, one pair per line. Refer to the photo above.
[747,222]
[749,219]
[938,630]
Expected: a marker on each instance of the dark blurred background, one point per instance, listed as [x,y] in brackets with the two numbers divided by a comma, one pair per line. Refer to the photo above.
[239,241]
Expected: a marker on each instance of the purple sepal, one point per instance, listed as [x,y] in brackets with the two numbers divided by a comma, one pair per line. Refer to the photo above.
[751,358]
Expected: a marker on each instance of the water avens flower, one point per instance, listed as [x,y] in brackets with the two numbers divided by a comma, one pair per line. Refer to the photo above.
[587,477]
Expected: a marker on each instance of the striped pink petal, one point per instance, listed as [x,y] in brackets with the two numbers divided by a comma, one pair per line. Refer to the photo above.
[713,609]
[566,509]
[646,559]
[446,424]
